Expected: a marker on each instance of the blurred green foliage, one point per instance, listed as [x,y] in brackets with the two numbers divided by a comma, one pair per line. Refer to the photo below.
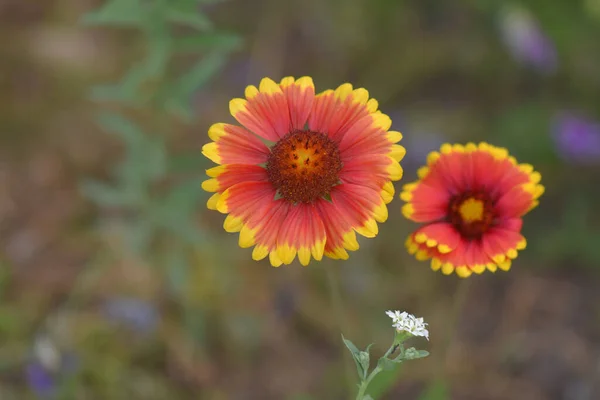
[168,28]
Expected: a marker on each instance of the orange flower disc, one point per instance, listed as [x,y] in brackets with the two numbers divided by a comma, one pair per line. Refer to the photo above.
[303,166]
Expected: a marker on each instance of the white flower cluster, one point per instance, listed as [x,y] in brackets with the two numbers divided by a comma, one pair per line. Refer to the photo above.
[404,321]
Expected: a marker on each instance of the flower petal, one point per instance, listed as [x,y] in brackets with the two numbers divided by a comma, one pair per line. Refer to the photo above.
[439,235]
[336,111]
[368,170]
[225,176]
[300,96]
[424,202]
[302,233]
[519,200]
[234,145]
[468,257]
[368,135]
[503,242]
[265,231]
[360,206]
[265,112]
[339,233]
[239,199]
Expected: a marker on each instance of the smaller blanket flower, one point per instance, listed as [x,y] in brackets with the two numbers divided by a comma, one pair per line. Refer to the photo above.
[471,200]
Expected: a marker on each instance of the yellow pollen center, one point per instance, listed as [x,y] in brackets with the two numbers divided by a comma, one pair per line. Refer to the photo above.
[471,210]
[303,156]
[471,213]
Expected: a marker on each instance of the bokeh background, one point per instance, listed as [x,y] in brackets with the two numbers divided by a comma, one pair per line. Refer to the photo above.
[117,283]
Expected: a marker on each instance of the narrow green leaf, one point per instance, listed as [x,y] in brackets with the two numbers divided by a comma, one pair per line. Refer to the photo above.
[353,349]
[193,161]
[213,40]
[152,69]
[355,356]
[124,128]
[177,208]
[152,157]
[159,53]
[386,364]
[178,98]
[140,235]
[116,12]
[365,361]
[105,195]
[199,74]
[127,90]
[189,17]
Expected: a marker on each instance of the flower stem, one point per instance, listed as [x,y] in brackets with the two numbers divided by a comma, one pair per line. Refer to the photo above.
[365,384]
[460,297]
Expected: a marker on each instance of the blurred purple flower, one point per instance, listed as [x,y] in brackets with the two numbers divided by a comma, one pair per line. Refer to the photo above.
[526,41]
[40,380]
[577,138]
[135,314]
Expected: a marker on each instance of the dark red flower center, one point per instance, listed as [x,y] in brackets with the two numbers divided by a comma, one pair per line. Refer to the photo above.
[471,213]
[304,165]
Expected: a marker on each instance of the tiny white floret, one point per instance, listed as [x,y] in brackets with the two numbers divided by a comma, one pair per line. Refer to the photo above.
[406,322]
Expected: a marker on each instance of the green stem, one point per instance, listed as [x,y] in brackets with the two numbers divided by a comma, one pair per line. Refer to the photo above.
[459,300]
[364,384]
[362,390]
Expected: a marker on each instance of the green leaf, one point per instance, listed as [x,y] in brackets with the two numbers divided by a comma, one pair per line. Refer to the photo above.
[423,354]
[116,12]
[140,235]
[159,52]
[367,397]
[192,161]
[356,356]
[125,129]
[105,195]
[152,69]
[152,157]
[146,157]
[189,16]
[124,91]
[177,208]
[214,40]
[178,98]
[199,74]
[364,360]
[386,364]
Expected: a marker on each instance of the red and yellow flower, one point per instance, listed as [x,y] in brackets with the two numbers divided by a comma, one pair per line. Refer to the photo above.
[471,200]
[303,173]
